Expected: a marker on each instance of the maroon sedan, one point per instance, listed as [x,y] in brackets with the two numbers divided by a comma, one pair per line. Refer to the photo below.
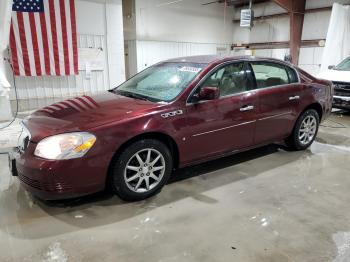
[176,113]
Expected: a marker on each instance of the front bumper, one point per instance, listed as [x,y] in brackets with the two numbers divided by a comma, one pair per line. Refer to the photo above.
[63,179]
[341,102]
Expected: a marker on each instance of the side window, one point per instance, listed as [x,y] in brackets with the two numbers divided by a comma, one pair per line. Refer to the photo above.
[293,78]
[269,74]
[215,78]
[230,79]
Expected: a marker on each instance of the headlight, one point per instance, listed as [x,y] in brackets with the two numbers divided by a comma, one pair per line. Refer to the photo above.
[65,146]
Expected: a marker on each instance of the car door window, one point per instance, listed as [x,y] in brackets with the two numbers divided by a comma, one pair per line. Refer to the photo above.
[270,74]
[293,78]
[230,79]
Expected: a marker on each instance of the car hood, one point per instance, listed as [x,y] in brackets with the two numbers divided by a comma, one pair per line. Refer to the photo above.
[335,75]
[85,112]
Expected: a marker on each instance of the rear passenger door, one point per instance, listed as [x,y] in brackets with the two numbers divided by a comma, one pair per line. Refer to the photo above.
[278,94]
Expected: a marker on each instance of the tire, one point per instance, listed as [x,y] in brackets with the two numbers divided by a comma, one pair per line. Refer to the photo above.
[138,163]
[309,121]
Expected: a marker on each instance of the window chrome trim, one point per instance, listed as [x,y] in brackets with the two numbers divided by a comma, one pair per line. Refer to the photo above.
[244,92]
[224,128]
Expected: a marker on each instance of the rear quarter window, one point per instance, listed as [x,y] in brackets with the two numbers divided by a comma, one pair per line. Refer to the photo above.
[268,74]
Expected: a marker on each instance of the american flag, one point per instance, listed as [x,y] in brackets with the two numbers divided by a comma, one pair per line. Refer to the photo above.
[43,38]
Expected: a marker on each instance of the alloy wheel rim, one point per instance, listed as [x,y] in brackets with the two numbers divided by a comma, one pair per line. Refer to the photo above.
[144,170]
[307,130]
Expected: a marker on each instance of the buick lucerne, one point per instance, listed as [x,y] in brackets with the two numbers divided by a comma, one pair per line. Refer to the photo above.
[173,114]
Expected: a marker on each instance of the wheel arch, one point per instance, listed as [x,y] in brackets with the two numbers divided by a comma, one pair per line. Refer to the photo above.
[316,106]
[166,139]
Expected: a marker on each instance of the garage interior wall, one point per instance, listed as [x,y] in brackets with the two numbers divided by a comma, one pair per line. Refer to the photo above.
[156,30]
[277,29]
[99,25]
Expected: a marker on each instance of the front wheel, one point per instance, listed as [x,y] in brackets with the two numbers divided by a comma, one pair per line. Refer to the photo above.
[305,130]
[141,170]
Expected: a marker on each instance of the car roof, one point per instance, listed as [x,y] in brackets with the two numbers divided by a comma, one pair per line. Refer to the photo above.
[208,59]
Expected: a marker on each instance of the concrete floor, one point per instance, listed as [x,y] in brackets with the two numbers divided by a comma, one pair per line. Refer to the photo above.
[263,205]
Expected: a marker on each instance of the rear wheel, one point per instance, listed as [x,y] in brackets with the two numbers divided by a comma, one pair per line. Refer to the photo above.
[141,170]
[305,130]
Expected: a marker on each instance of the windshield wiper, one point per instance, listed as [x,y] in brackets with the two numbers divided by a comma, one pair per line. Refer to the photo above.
[132,95]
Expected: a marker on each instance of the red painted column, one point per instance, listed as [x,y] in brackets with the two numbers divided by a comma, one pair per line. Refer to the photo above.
[296,29]
[296,10]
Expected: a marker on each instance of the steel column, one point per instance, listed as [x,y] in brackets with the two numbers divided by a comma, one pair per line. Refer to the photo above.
[296,10]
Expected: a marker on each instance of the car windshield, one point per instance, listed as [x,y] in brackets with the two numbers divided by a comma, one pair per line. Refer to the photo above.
[162,82]
[344,65]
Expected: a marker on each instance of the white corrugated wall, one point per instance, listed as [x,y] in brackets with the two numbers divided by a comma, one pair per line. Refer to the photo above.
[142,54]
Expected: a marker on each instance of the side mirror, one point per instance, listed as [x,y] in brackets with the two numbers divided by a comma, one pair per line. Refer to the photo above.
[208,93]
[331,67]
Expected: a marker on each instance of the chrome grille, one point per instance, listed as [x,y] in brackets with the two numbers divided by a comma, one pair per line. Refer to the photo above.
[341,89]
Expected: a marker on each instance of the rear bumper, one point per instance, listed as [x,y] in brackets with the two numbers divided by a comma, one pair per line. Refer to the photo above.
[54,180]
[342,102]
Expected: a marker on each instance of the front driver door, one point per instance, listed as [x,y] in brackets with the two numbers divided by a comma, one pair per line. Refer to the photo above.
[224,124]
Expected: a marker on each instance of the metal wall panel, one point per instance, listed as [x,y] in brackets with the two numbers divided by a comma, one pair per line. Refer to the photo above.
[141,54]
[151,52]
[36,92]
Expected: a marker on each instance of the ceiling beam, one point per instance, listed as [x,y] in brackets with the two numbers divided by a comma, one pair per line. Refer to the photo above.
[307,11]
[276,45]
[241,3]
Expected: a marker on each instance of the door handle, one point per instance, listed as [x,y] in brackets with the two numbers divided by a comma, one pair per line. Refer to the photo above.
[291,98]
[246,108]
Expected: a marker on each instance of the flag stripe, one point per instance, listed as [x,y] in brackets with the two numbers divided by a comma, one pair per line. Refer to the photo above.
[22,36]
[91,100]
[40,43]
[59,36]
[88,101]
[47,109]
[29,42]
[64,36]
[52,107]
[45,43]
[84,102]
[77,104]
[74,33]
[70,105]
[62,105]
[54,36]
[14,51]
[35,44]
[69,39]
[59,106]
[49,38]
[18,46]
